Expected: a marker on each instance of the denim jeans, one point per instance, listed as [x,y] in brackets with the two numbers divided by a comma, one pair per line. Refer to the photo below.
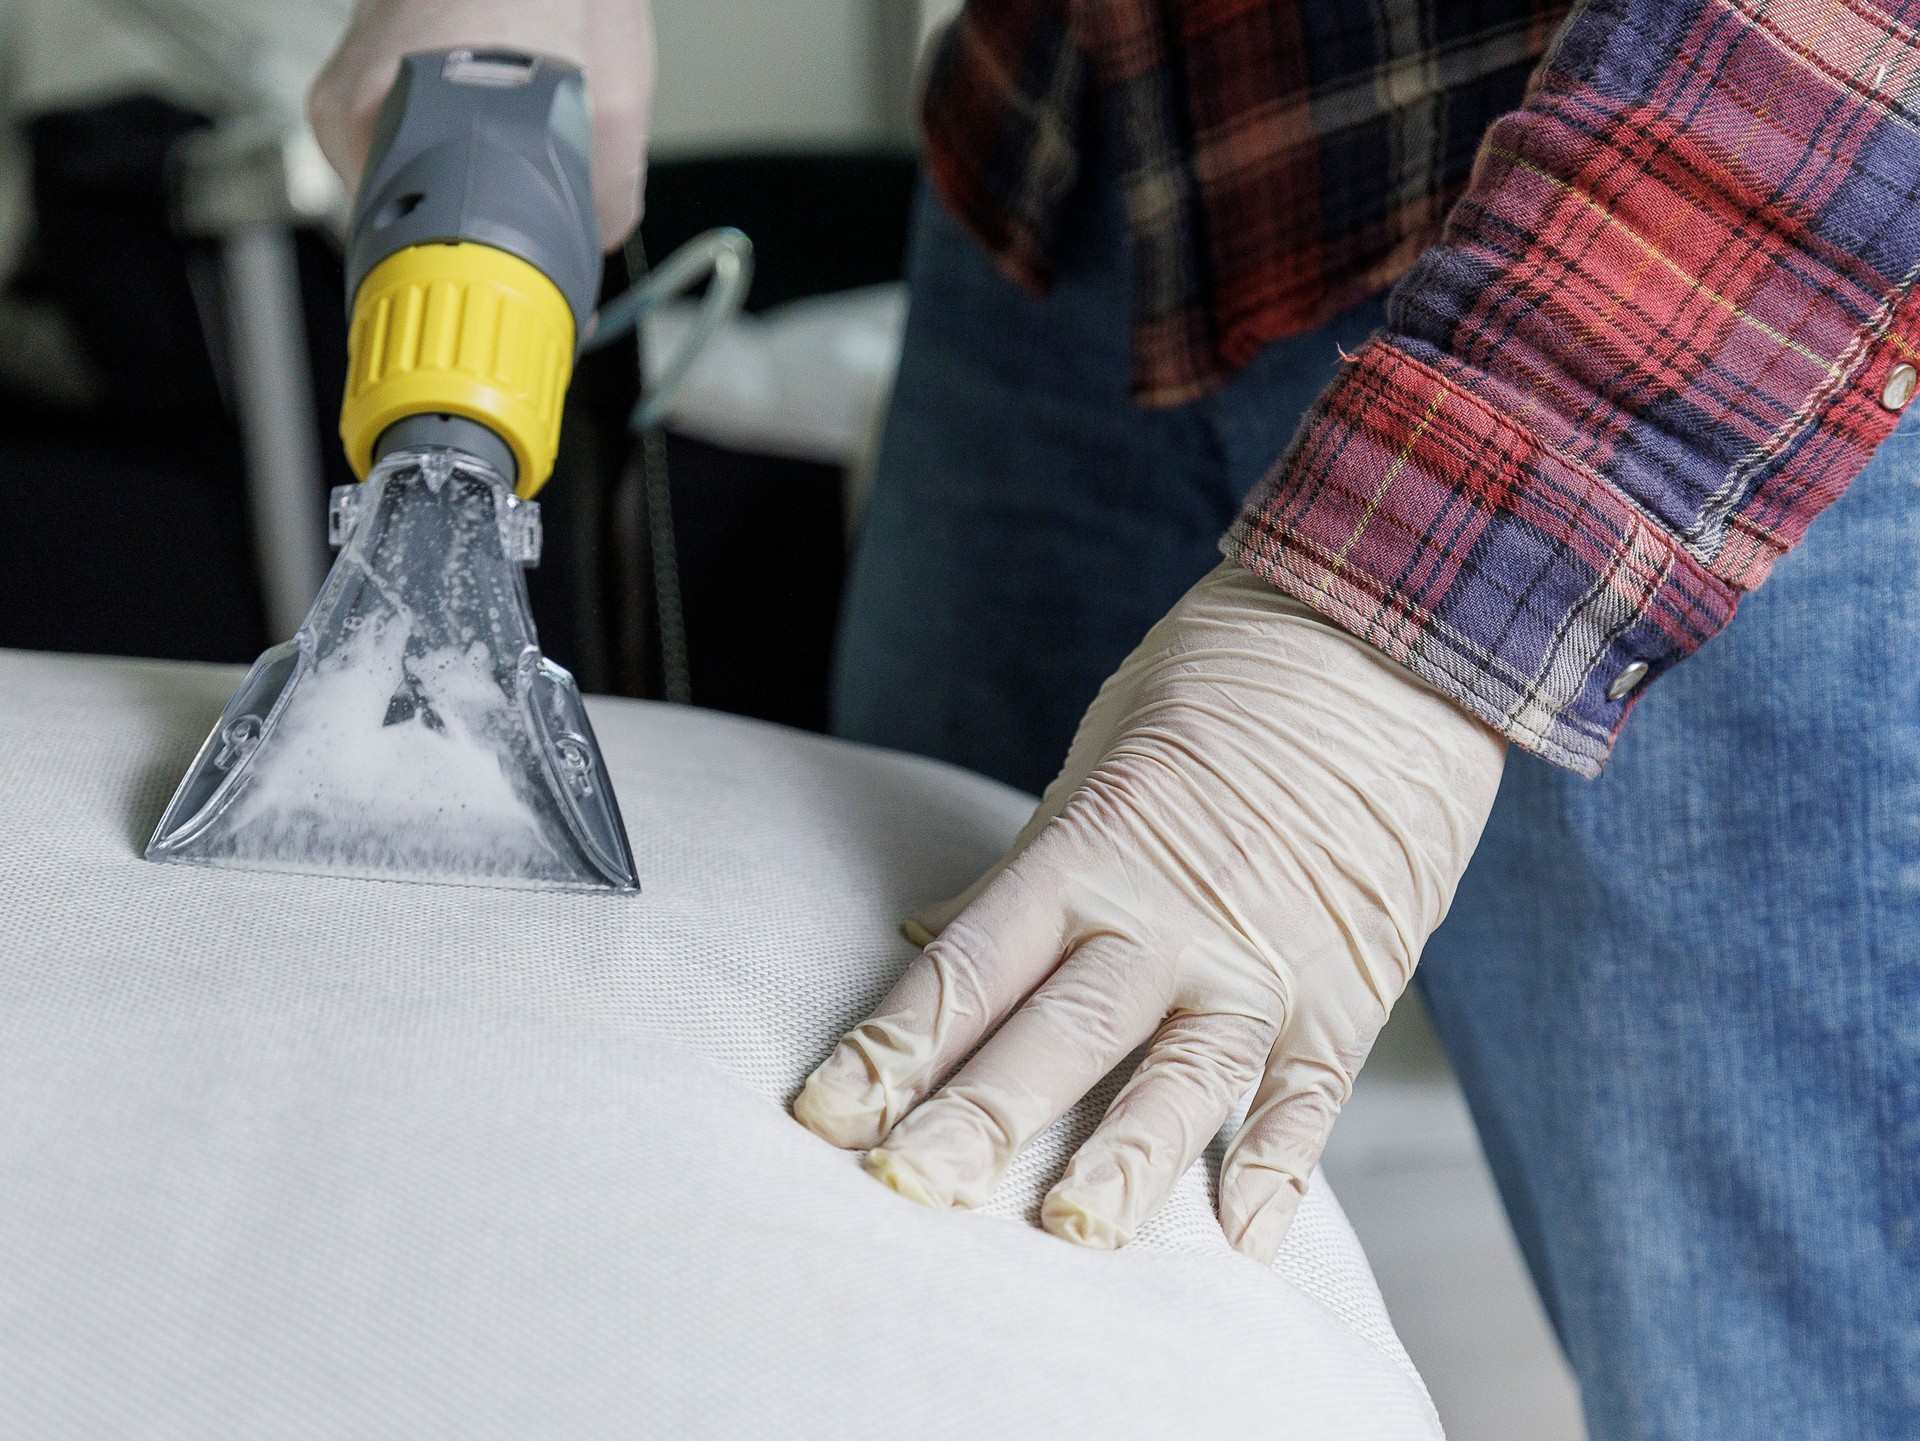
[1028,522]
[1684,1000]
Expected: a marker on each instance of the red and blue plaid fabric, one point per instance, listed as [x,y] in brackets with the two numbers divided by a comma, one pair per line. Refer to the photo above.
[1658,338]
[1655,340]
[1281,159]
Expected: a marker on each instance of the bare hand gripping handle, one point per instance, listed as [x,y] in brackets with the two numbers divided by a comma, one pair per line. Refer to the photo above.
[489,146]
[411,728]
[472,262]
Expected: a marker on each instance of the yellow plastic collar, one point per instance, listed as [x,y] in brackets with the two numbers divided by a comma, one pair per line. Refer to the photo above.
[461,329]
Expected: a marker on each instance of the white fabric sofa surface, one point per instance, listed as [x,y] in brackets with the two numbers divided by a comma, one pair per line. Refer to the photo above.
[300,1157]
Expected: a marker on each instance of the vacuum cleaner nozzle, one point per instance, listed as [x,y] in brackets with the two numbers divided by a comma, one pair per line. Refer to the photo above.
[411,729]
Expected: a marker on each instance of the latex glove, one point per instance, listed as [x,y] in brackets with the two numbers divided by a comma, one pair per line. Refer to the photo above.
[612,40]
[1259,824]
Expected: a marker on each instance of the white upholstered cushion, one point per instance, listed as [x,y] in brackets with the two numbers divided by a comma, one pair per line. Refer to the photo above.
[298,1157]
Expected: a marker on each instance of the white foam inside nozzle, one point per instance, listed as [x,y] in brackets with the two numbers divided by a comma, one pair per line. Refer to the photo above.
[340,787]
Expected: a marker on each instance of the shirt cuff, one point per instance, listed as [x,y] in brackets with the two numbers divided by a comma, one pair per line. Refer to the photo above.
[1417,515]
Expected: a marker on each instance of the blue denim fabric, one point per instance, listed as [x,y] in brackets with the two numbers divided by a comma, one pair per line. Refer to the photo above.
[1684,1000]
[1028,522]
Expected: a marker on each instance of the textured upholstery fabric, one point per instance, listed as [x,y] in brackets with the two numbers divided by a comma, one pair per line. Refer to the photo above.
[288,1156]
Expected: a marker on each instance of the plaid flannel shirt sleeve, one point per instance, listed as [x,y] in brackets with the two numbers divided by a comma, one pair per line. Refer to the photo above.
[1664,329]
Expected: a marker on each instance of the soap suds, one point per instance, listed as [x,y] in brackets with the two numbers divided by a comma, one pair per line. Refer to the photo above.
[385,763]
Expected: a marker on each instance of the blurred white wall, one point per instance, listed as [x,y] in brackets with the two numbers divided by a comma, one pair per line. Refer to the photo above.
[735,73]
[211,55]
[757,73]
[208,53]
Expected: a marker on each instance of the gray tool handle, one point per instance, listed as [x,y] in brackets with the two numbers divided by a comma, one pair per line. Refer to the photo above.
[489,146]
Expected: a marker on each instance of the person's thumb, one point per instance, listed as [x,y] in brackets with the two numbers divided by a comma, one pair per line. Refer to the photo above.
[1091,741]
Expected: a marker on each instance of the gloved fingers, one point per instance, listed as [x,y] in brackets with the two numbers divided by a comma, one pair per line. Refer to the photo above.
[927,924]
[1196,1069]
[923,926]
[1271,1160]
[955,991]
[1104,1000]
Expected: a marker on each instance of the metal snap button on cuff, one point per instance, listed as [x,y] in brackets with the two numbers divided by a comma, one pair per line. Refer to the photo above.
[1902,380]
[1623,683]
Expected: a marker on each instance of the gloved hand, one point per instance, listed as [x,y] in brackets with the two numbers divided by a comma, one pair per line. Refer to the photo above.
[1259,824]
[612,40]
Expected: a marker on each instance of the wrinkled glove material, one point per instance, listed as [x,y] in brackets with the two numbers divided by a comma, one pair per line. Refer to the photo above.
[1259,824]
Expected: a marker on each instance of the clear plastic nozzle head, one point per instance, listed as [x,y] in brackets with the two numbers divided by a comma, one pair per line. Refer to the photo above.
[411,729]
